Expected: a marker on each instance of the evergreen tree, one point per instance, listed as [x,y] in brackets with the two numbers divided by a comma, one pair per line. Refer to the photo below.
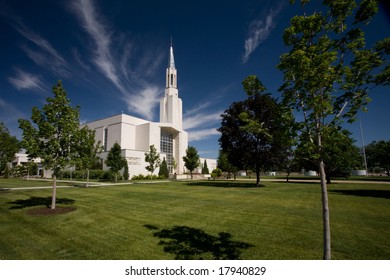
[205,169]
[164,172]
[115,160]
[126,174]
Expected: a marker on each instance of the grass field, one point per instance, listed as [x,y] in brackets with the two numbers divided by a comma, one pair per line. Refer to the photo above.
[195,220]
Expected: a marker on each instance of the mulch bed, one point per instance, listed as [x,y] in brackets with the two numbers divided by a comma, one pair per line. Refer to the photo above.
[47,211]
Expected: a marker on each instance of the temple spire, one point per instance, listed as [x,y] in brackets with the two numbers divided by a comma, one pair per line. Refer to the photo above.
[171,58]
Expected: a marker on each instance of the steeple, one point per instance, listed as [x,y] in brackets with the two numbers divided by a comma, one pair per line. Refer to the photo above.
[171,104]
[171,78]
[171,63]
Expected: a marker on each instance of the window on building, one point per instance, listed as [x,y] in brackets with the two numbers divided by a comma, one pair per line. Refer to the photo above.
[105,136]
[166,146]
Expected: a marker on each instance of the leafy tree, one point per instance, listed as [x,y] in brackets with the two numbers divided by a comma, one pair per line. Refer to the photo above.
[378,155]
[115,160]
[224,164]
[205,169]
[9,146]
[256,133]
[153,158]
[191,159]
[88,150]
[329,71]
[53,137]
[216,173]
[340,155]
[164,172]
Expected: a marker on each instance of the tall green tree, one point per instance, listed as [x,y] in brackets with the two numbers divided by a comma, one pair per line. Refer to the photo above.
[256,133]
[88,150]
[164,172]
[378,155]
[329,72]
[205,169]
[9,146]
[53,134]
[115,160]
[153,158]
[191,159]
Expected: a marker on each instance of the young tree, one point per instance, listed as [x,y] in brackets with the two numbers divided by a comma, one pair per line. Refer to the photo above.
[191,159]
[53,138]
[328,73]
[153,158]
[257,132]
[224,165]
[88,150]
[9,146]
[205,169]
[115,160]
[164,172]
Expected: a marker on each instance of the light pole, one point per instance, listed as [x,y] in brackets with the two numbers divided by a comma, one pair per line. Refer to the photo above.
[364,149]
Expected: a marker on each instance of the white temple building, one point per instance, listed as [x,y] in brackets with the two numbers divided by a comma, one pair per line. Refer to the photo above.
[135,135]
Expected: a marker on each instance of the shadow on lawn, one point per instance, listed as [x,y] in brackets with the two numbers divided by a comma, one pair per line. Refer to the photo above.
[189,243]
[224,184]
[364,193]
[38,201]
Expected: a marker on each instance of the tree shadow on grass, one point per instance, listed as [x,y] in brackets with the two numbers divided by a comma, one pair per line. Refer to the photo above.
[224,184]
[188,243]
[364,193]
[38,201]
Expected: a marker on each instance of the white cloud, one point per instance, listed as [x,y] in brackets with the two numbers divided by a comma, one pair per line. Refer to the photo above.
[24,80]
[140,96]
[200,119]
[202,134]
[45,55]
[259,31]
[144,102]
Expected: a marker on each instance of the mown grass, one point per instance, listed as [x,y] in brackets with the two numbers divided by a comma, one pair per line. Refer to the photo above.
[197,220]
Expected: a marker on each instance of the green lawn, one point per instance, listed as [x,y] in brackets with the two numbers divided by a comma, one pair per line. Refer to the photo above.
[196,220]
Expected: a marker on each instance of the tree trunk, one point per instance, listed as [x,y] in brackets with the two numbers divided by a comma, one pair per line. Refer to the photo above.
[53,197]
[87,178]
[257,175]
[325,213]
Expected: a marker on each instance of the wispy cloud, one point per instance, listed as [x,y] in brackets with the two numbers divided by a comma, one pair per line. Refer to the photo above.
[41,51]
[139,95]
[24,80]
[202,134]
[259,30]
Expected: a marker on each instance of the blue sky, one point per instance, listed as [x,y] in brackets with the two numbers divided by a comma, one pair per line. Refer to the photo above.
[112,56]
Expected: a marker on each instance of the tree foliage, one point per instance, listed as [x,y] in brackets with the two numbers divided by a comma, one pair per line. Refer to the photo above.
[88,150]
[191,159]
[53,133]
[341,156]
[115,160]
[329,72]
[378,155]
[153,158]
[164,172]
[257,132]
[205,169]
[9,146]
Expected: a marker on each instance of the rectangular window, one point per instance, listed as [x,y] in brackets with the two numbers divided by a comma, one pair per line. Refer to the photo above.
[166,145]
[105,136]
